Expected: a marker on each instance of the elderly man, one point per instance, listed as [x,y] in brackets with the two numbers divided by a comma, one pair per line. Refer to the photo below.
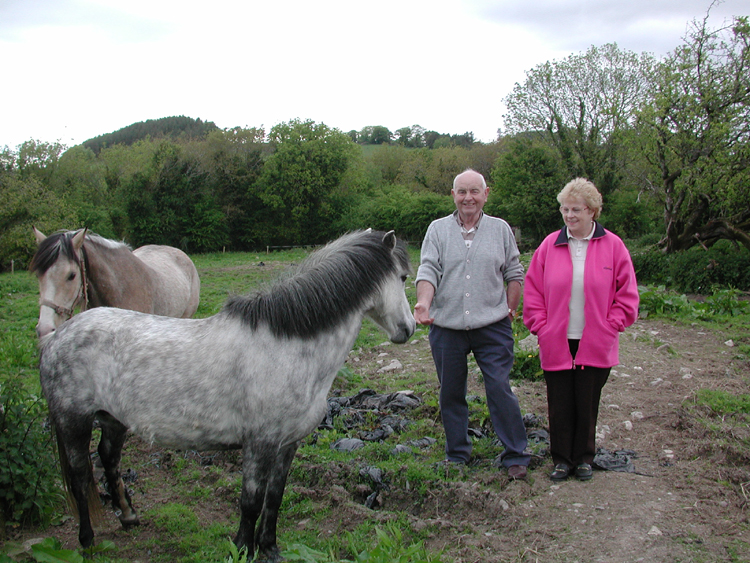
[468,258]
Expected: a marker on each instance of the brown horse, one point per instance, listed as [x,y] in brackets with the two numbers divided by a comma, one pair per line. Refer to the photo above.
[78,268]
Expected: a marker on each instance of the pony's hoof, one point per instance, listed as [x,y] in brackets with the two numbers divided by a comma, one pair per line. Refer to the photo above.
[129,521]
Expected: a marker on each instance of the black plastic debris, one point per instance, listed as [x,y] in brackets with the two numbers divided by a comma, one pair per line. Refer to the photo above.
[421,443]
[377,435]
[400,449]
[619,460]
[348,444]
[374,475]
[396,423]
[349,410]
[531,420]
[538,436]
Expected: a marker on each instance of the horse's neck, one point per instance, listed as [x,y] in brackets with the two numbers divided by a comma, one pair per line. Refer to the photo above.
[114,276]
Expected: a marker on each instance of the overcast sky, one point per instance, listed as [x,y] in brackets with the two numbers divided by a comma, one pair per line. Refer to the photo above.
[75,69]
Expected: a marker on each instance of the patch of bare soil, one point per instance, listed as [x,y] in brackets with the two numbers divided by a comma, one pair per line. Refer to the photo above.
[686,501]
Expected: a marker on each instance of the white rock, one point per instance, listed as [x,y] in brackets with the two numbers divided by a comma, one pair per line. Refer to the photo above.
[657,381]
[636,415]
[729,343]
[393,366]
[628,425]
[654,531]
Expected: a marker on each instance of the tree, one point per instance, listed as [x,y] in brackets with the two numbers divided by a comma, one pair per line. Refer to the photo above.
[433,170]
[79,179]
[380,135]
[525,183]
[299,181]
[694,131]
[582,104]
[232,161]
[172,204]
[26,203]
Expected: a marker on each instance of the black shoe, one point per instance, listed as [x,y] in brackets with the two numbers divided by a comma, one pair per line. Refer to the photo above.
[584,472]
[560,473]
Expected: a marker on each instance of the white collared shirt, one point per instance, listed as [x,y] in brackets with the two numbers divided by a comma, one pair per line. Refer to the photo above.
[468,234]
[578,249]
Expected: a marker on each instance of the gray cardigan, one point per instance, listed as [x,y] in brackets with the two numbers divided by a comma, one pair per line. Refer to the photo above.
[469,283]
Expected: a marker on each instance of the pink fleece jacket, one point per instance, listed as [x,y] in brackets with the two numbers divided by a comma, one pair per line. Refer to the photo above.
[610,293]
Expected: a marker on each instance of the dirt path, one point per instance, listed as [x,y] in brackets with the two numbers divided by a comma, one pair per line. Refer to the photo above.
[687,500]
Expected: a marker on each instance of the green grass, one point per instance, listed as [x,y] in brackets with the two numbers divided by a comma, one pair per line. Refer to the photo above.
[723,403]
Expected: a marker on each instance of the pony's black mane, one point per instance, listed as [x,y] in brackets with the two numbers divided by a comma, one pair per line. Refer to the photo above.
[61,242]
[326,287]
[50,249]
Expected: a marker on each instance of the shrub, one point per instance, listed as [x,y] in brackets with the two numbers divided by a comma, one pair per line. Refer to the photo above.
[695,270]
[29,492]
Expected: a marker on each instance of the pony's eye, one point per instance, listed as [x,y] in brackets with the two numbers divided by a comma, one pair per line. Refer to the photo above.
[403,278]
[71,276]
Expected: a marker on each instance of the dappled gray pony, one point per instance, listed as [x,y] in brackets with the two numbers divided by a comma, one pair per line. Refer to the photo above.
[78,268]
[254,376]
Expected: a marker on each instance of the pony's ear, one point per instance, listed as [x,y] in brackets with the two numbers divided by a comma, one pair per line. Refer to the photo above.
[39,236]
[390,239]
[78,239]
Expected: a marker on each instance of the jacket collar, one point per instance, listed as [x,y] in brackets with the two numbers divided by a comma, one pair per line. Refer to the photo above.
[562,236]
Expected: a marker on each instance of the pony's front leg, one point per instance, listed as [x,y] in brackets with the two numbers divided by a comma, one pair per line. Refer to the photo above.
[110,452]
[256,459]
[265,538]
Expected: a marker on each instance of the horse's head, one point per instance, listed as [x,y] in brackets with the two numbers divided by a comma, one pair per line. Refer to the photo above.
[58,264]
[391,310]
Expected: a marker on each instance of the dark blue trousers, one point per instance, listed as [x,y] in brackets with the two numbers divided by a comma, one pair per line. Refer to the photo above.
[492,347]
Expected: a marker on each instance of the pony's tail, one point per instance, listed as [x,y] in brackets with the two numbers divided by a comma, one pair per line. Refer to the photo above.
[96,514]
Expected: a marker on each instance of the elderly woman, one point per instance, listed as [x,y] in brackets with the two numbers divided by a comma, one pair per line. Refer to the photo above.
[580,294]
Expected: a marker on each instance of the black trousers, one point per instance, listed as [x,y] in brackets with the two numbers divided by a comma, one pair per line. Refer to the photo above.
[573,401]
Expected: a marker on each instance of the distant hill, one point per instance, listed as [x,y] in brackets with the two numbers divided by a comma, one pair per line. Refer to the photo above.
[172,127]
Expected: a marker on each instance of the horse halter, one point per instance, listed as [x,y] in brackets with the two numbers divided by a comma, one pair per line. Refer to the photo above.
[83,294]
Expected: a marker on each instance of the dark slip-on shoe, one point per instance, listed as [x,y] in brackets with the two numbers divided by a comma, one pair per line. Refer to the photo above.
[560,473]
[584,472]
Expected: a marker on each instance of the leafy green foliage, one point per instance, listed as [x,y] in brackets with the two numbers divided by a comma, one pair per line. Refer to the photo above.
[661,302]
[583,104]
[526,181]
[25,202]
[390,548]
[29,491]
[693,130]
[408,211]
[695,270]
[170,205]
[299,180]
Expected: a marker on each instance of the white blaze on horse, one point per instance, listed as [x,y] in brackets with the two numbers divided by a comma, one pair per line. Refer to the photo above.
[81,269]
[254,376]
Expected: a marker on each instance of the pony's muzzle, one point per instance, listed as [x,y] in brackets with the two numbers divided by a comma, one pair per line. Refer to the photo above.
[403,332]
